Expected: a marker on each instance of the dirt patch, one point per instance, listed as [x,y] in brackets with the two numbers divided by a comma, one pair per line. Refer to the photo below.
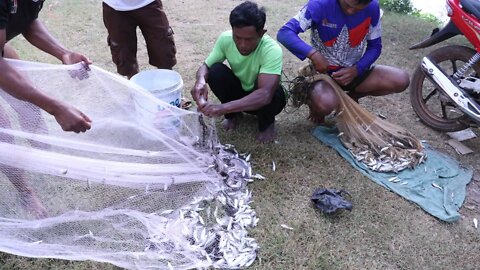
[471,208]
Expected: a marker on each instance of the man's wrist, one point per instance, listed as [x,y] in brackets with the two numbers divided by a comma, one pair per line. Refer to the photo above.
[46,103]
[312,53]
[225,108]
[358,69]
[59,52]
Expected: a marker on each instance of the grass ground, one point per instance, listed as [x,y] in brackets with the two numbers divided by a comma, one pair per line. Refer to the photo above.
[383,231]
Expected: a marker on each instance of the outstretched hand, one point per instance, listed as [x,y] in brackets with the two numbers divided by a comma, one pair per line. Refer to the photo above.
[71,119]
[74,57]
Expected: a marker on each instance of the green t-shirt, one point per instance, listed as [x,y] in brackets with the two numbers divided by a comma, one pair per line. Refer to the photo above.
[266,59]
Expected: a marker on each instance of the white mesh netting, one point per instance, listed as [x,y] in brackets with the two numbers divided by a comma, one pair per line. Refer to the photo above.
[138,190]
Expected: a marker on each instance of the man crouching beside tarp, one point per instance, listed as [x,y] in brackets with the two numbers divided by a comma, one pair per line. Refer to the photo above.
[21,17]
[252,83]
[346,41]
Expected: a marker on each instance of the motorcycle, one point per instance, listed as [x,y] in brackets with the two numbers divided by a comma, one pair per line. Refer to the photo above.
[445,87]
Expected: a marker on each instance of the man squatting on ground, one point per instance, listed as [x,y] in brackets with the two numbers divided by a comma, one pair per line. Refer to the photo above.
[346,41]
[122,17]
[252,84]
[21,17]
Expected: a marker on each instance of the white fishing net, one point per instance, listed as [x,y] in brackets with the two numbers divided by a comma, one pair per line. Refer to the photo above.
[141,189]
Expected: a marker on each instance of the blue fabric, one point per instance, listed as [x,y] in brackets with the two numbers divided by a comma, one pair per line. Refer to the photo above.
[439,169]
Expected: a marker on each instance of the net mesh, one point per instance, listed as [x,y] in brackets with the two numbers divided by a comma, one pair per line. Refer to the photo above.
[141,189]
[380,145]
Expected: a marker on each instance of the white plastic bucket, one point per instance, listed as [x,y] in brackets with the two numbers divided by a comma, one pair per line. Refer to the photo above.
[164,84]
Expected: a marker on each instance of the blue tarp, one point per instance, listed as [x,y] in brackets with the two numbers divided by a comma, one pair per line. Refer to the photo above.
[416,185]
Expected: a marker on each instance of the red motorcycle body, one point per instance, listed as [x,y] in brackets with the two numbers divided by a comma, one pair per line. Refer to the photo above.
[447,80]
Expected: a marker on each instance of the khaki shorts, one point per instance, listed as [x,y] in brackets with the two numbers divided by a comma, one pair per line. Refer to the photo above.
[122,37]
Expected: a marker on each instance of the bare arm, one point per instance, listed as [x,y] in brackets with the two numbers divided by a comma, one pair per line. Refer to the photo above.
[15,84]
[267,85]
[38,35]
[200,91]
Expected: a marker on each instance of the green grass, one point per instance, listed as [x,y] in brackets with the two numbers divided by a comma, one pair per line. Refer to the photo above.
[383,231]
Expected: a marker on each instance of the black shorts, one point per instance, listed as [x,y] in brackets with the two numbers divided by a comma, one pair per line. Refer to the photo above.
[358,80]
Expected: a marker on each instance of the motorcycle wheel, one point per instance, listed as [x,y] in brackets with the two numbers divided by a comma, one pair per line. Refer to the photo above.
[434,108]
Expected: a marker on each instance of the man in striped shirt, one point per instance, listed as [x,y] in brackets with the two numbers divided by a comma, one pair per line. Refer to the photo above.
[345,42]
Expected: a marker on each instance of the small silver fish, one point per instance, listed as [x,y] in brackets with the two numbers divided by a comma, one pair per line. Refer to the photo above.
[436,186]
[259,176]
[166,212]
[392,179]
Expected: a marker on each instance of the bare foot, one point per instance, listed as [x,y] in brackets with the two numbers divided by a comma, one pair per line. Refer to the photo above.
[315,116]
[328,121]
[186,104]
[32,204]
[268,135]
[230,124]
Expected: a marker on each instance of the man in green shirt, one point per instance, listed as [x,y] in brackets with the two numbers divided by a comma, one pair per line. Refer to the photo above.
[251,83]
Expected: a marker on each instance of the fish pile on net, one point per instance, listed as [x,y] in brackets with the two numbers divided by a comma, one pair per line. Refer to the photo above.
[142,189]
[381,145]
[217,225]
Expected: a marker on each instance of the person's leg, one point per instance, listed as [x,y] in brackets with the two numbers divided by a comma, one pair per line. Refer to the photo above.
[28,196]
[30,120]
[383,80]
[158,35]
[322,101]
[266,116]
[226,87]
[122,40]
[9,52]
[29,116]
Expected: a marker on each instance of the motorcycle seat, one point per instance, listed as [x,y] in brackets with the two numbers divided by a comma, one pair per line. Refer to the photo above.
[471,6]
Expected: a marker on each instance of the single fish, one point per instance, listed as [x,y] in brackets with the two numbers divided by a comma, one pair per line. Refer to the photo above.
[286,227]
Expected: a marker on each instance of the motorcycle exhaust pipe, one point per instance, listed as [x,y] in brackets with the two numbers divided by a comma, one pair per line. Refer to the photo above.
[466,104]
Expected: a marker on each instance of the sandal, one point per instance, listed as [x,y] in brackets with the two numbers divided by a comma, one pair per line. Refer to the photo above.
[186,104]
